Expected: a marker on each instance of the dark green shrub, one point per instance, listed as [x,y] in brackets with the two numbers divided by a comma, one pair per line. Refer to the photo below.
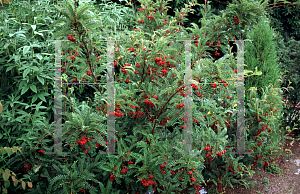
[262,53]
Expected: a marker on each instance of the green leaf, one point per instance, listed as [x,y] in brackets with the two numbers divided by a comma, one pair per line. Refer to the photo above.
[33,88]
[40,79]
[230,184]
[38,106]
[25,49]
[24,89]
[9,68]
[6,184]
[36,168]
[6,175]
[23,185]
[34,68]
[97,158]
[34,98]
[26,72]
[38,33]
[106,169]
[33,27]
[39,56]
[36,45]
[42,97]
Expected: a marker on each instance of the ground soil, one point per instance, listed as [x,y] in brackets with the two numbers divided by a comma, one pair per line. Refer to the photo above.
[288,182]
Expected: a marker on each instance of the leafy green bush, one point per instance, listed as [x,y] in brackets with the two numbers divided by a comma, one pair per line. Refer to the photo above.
[148,149]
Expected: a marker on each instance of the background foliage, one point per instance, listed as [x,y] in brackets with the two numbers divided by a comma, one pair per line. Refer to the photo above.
[26,68]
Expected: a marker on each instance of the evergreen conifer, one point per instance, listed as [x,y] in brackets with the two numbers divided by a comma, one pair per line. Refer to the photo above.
[262,53]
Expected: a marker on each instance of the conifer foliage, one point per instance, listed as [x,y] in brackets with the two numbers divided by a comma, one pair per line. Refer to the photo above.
[262,53]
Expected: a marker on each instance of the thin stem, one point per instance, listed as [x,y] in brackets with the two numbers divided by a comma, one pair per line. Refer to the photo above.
[282,5]
[164,107]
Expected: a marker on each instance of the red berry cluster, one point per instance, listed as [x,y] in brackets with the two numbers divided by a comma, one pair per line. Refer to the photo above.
[131,49]
[149,104]
[28,167]
[221,153]
[206,148]
[195,87]
[71,38]
[82,190]
[214,85]
[83,141]
[148,182]
[98,58]
[141,21]
[180,105]
[162,167]
[236,20]
[74,56]
[124,170]
[112,177]
[163,121]
[116,114]
[159,61]
[254,164]
[150,17]
[208,155]
[216,53]
[41,151]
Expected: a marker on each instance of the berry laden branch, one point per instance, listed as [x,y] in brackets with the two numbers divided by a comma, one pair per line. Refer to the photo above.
[164,107]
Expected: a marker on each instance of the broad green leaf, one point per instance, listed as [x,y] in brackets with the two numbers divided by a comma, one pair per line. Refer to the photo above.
[39,56]
[6,175]
[6,184]
[26,72]
[38,106]
[23,185]
[9,68]
[42,97]
[25,49]
[24,89]
[33,27]
[34,98]
[40,79]
[33,88]
[35,68]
